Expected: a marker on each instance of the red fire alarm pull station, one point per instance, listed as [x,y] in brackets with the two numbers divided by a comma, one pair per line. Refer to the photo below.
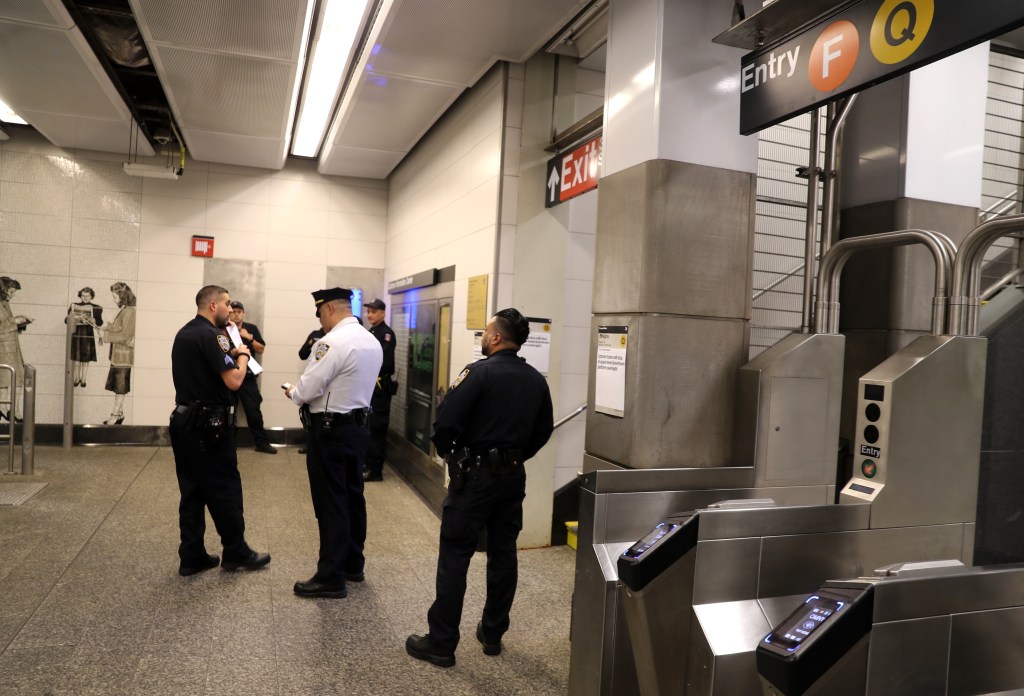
[202,246]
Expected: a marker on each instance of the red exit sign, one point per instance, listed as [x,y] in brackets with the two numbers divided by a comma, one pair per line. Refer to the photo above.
[202,246]
[573,173]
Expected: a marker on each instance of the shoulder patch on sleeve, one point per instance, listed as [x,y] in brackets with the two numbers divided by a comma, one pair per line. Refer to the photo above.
[321,351]
[387,338]
[462,376]
[223,342]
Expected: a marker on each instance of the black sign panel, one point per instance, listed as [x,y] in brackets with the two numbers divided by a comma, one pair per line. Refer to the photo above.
[417,280]
[863,45]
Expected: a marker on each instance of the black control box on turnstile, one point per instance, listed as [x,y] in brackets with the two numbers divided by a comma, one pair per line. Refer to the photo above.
[651,555]
[808,642]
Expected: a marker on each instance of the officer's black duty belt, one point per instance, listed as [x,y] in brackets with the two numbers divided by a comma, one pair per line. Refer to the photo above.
[182,409]
[496,459]
[358,417]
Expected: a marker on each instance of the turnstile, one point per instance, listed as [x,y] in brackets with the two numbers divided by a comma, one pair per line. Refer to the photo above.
[908,631]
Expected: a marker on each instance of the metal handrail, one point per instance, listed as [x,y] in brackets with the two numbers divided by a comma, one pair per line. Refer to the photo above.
[562,421]
[777,283]
[827,307]
[967,271]
[999,284]
[28,423]
[1011,197]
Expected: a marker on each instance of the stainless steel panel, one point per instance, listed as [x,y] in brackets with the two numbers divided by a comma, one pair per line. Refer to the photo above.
[801,563]
[976,590]
[658,618]
[721,660]
[778,608]
[929,433]
[675,238]
[766,522]
[628,516]
[632,480]
[736,674]
[679,403]
[788,406]
[909,658]
[725,570]
[985,652]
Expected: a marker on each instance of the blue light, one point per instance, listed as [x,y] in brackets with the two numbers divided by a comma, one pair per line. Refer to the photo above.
[357,302]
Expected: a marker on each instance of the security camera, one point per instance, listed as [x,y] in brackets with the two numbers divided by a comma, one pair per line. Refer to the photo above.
[162,136]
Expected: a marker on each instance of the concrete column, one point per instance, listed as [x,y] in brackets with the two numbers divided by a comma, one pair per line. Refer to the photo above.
[674,236]
[912,158]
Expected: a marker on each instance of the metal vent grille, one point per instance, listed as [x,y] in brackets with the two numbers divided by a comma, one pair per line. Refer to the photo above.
[508,31]
[209,90]
[35,13]
[45,72]
[1002,186]
[18,493]
[259,28]
[779,231]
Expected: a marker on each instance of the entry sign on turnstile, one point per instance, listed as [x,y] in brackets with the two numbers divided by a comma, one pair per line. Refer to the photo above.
[866,43]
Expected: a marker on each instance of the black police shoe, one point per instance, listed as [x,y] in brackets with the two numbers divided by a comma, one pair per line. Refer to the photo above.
[423,648]
[489,647]
[254,561]
[315,588]
[370,476]
[266,448]
[355,577]
[199,565]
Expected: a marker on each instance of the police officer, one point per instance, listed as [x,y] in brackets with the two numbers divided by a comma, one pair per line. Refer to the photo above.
[249,393]
[495,416]
[333,394]
[205,375]
[380,406]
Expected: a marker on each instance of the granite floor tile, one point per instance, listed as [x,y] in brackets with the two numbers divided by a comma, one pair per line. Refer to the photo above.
[93,603]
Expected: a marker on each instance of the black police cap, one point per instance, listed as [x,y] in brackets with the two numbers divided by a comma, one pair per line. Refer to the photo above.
[331,294]
[376,304]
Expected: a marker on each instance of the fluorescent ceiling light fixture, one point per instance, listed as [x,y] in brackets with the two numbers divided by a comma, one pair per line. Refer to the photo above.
[299,69]
[151,171]
[7,115]
[330,53]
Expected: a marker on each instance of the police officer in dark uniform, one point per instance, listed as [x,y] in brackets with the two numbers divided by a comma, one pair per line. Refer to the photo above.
[249,393]
[334,394]
[495,416]
[205,375]
[380,406]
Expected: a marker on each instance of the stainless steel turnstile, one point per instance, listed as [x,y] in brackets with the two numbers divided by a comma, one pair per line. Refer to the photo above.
[910,630]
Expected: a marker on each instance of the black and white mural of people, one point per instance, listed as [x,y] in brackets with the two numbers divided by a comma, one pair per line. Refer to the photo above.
[11,326]
[119,334]
[86,315]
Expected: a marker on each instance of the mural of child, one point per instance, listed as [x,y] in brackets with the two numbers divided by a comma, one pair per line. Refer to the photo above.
[120,334]
[11,325]
[86,315]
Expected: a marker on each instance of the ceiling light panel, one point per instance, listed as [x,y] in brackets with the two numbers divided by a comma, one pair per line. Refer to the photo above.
[458,40]
[390,106]
[41,69]
[227,93]
[261,28]
[49,12]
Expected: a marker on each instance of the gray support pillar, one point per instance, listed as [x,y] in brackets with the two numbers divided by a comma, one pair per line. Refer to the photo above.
[673,258]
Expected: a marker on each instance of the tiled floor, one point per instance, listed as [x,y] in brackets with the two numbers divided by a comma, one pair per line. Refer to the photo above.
[91,603]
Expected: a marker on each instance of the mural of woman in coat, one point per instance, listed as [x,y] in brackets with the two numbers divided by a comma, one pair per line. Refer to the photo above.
[11,325]
[86,315]
[120,335]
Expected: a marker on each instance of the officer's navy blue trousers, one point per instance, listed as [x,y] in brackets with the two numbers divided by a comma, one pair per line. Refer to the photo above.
[493,501]
[380,415]
[250,398]
[207,478]
[335,466]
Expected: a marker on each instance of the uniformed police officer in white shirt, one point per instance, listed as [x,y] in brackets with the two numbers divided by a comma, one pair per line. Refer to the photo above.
[334,395]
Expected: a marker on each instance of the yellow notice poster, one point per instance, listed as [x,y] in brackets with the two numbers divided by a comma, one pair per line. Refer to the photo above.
[476,303]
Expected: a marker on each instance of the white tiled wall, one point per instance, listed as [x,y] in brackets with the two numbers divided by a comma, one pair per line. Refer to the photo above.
[70,219]
[443,201]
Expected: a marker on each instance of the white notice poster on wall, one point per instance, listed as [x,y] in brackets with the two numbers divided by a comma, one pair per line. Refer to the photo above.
[478,353]
[537,349]
[610,380]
